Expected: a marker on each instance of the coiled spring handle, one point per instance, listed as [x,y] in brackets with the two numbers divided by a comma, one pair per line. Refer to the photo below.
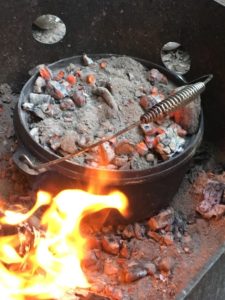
[173,102]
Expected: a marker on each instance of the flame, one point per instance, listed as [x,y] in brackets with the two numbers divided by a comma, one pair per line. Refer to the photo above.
[52,264]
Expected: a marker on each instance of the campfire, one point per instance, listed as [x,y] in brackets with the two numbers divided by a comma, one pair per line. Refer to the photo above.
[44,263]
[47,249]
[172,246]
[67,243]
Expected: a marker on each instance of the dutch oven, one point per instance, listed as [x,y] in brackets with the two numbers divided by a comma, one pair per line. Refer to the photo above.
[148,190]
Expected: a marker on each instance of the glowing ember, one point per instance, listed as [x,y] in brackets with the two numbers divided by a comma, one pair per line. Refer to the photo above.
[52,264]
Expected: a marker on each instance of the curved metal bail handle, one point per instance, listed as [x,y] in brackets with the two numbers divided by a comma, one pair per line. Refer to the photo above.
[24,159]
[43,166]
[205,79]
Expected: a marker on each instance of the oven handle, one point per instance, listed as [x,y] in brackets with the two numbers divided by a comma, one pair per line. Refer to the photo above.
[20,153]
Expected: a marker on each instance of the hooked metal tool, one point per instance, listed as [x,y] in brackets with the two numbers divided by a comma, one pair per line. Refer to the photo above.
[184,95]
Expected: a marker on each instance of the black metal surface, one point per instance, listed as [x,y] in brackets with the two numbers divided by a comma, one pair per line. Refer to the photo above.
[146,189]
[136,28]
[209,283]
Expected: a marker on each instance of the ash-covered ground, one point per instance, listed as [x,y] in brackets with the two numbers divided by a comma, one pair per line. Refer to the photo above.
[153,259]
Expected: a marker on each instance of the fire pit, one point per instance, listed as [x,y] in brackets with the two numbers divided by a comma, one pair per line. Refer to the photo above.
[192,266]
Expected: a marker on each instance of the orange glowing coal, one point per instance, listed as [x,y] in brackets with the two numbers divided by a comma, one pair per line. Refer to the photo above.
[52,265]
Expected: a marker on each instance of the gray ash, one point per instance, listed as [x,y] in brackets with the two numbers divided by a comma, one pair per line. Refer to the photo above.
[87,102]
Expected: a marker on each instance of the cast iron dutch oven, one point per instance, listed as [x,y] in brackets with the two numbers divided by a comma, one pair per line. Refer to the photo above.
[148,190]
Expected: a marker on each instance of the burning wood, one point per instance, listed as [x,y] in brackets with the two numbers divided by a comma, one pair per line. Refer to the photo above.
[138,244]
[165,218]
[44,264]
[51,260]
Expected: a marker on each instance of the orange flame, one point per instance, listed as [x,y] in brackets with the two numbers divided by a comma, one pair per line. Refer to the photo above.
[52,265]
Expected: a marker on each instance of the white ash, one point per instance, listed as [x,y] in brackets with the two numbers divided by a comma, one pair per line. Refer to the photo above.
[108,103]
[39,85]
[212,192]
[28,106]
[37,99]
[87,60]
[175,58]
[34,132]
[169,143]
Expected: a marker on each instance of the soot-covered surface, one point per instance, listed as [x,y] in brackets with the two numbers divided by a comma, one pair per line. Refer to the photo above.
[164,261]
